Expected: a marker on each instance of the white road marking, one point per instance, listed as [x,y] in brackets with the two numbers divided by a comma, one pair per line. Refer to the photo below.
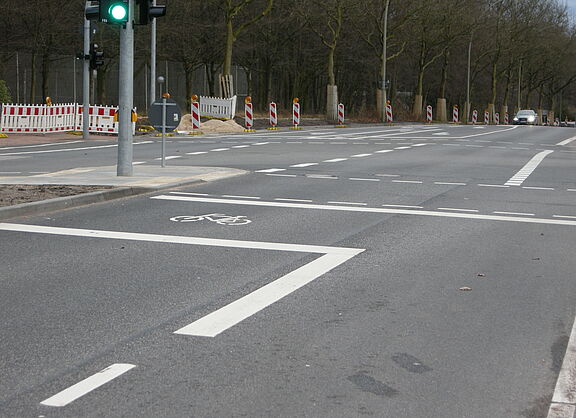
[232,314]
[472,216]
[537,188]
[10,172]
[321,176]
[261,143]
[41,145]
[172,157]
[282,175]
[285,199]
[348,203]
[382,151]
[271,170]
[138,162]
[388,175]
[219,149]
[459,210]
[407,181]
[335,160]
[571,190]
[567,141]
[360,155]
[62,150]
[420,145]
[404,206]
[449,184]
[241,197]
[564,216]
[494,185]
[190,194]
[528,169]
[241,146]
[87,385]
[197,153]
[402,148]
[514,213]
[303,165]
[359,179]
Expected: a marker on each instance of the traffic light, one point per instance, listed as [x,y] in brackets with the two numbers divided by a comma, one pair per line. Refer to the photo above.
[114,11]
[146,11]
[95,57]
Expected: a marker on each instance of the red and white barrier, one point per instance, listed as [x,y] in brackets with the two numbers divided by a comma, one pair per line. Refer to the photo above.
[557,122]
[195,116]
[296,114]
[474,117]
[273,115]
[506,119]
[248,116]
[341,114]
[486,118]
[455,114]
[56,118]
[389,116]
[428,114]
[497,118]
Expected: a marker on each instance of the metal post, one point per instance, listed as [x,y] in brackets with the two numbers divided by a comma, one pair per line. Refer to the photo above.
[17,79]
[153,59]
[468,81]
[126,95]
[74,78]
[86,82]
[163,131]
[384,57]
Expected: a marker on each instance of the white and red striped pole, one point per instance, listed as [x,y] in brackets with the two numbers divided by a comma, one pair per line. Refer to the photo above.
[389,116]
[506,119]
[295,113]
[248,114]
[497,118]
[474,117]
[428,114]
[455,114]
[195,115]
[486,117]
[341,117]
[273,117]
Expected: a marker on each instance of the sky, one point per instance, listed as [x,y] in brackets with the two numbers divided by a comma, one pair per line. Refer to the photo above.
[571,5]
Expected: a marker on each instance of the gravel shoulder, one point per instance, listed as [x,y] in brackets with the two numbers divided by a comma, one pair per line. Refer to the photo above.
[16,194]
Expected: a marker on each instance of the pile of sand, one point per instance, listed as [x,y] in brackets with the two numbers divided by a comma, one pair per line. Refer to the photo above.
[211,126]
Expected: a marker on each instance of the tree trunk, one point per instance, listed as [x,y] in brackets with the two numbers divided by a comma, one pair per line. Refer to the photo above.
[227,68]
[332,103]
[45,74]
[417,109]
[33,78]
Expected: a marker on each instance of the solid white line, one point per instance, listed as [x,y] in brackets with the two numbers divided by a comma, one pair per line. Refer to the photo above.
[459,210]
[197,153]
[213,324]
[241,146]
[348,203]
[402,147]
[493,185]
[439,214]
[382,151]
[565,391]
[514,213]
[360,155]
[335,160]
[303,165]
[358,179]
[219,149]
[571,190]
[88,385]
[61,150]
[270,170]
[285,199]
[241,197]
[449,184]
[564,216]
[528,169]
[41,145]
[567,141]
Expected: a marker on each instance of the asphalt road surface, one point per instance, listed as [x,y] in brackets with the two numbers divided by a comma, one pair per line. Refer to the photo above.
[406,271]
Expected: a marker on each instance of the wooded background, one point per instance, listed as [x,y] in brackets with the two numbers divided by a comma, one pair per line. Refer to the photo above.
[523,52]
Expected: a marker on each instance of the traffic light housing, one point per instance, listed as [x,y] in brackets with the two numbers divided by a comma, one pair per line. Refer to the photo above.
[146,11]
[95,57]
[114,12]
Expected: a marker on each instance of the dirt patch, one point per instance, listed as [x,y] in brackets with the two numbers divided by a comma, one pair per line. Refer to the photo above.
[16,194]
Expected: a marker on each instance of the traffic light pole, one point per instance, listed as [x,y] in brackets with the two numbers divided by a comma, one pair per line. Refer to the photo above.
[153,59]
[126,91]
[86,81]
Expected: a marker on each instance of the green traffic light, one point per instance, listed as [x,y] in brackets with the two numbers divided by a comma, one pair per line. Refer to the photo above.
[118,12]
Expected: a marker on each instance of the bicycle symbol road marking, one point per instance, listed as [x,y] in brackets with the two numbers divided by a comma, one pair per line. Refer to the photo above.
[218,218]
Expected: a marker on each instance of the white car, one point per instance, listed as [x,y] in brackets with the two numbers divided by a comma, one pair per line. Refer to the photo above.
[525,117]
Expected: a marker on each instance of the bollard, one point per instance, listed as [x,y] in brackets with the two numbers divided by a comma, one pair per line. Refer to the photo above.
[428,114]
[296,113]
[248,115]
[474,117]
[273,117]
[455,115]
[506,119]
[195,115]
[497,118]
[486,117]
[389,116]
[341,116]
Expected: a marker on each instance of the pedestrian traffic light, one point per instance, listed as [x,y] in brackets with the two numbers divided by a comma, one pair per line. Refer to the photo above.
[146,10]
[95,57]
[114,11]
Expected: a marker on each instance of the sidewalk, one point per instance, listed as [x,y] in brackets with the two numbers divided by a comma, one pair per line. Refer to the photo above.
[145,179]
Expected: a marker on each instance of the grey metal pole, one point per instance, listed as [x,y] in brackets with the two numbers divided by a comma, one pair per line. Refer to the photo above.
[384,58]
[17,78]
[163,131]
[468,82]
[126,95]
[74,79]
[153,59]
[86,81]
